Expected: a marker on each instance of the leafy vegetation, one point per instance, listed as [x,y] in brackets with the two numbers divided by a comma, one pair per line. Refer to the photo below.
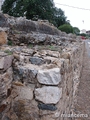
[8,52]
[76,30]
[10,42]
[66,28]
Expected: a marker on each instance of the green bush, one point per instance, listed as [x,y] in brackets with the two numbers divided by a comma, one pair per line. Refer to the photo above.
[66,28]
[76,30]
[83,34]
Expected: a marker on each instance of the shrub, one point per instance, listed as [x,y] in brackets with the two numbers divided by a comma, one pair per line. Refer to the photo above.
[76,30]
[66,28]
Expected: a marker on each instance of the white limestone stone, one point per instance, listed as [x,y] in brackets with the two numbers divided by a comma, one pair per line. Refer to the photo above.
[49,77]
[48,94]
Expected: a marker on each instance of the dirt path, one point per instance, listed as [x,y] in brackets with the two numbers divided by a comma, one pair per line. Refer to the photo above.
[83,95]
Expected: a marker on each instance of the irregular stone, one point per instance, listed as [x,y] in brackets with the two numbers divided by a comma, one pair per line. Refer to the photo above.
[25,110]
[29,51]
[26,74]
[6,62]
[49,77]
[16,56]
[65,55]
[5,29]
[48,95]
[3,20]
[23,92]
[1,63]
[2,54]
[32,74]
[17,49]
[23,24]
[53,53]
[5,83]
[47,107]
[3,38]
[70,35]
[37,60]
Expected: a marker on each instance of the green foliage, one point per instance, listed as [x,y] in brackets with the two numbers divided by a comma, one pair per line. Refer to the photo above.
[30,46]
[15,7]
[59,17]
[66,28]
[10,42]
[8,52]
[76,30]
[44,9]
[83,34]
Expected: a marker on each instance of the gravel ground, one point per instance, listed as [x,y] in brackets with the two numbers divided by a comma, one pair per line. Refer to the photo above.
[83,95]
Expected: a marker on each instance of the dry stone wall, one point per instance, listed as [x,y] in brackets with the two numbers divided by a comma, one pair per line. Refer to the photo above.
[38,81]
[42,84]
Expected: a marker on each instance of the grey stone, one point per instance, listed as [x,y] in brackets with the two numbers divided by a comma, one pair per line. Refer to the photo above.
[3,20]
[49,77]
[53,53]
[37,60]
[48,95]
[27,75]
[32,73]
[47,107]
[2,63]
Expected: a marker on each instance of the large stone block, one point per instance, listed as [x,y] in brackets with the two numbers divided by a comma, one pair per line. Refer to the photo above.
[22,92]
[48,95]
[49,77]
[6,62]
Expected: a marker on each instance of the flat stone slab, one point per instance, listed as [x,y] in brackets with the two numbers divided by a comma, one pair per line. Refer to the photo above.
[49,77]
[48,95]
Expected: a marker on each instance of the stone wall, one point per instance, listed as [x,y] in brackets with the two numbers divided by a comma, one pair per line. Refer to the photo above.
[42,84]
[40,75]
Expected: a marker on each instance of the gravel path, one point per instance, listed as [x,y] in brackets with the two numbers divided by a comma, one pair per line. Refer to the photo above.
[83,95]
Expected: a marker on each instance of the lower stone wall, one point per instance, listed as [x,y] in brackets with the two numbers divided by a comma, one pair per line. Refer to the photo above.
[42,84]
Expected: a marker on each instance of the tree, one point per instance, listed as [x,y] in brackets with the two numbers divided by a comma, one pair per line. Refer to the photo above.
[44,9]
[60,17]
[66,28]
[15,8]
